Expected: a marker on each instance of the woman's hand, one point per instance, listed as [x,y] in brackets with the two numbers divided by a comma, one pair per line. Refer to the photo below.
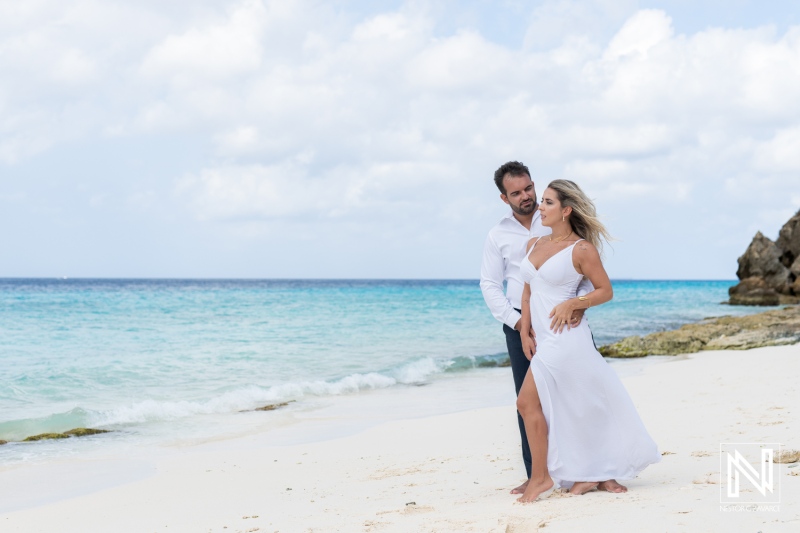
[577,316]
[562,316]
[529,344]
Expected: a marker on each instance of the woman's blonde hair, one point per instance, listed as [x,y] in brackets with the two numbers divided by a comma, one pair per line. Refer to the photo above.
[583,219]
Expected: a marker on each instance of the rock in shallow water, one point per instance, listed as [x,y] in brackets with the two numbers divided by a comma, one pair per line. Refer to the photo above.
[769,271]
[753,291]
[45,436]
[772,328]
[273,406]
[77,432]
[82,432]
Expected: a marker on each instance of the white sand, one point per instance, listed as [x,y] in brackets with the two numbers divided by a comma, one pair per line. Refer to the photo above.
[452,472]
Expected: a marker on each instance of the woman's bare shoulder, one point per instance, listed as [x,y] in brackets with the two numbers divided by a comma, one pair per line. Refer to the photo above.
[586,249]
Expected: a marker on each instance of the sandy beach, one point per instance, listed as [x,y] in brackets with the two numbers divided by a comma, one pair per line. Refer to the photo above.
[448,472]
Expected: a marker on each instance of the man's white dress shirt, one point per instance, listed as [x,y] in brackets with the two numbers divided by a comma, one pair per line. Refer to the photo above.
[503,253]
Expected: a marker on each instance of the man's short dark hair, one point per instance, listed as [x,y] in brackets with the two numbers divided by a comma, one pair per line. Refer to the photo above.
[512,168]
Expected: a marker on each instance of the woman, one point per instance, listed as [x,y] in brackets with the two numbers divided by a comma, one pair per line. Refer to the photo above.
[582,426]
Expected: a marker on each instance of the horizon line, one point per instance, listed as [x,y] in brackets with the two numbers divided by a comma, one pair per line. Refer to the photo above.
[112,278]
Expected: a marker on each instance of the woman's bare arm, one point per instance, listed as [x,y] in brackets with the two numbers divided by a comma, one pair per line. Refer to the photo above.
[586,260]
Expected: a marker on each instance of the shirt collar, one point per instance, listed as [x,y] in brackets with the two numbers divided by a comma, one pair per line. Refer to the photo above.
[510,216]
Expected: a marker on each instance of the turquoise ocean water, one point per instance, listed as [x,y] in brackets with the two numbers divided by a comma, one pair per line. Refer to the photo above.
[150,357]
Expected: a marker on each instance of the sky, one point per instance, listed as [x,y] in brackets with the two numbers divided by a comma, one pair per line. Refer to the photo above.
[358,139]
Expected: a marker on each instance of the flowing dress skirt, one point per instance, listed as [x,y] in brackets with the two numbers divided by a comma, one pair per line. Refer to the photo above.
[594,430]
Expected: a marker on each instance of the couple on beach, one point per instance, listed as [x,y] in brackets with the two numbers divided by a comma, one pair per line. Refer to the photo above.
[579,428]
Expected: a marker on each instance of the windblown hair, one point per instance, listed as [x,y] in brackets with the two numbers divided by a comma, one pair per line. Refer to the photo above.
[583,219]
[512,168]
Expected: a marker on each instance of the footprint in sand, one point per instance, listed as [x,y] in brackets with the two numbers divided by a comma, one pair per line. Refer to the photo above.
[711,478]
[410,508]
[702,454]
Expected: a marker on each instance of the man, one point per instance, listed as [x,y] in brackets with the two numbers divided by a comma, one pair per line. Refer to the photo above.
[503,252]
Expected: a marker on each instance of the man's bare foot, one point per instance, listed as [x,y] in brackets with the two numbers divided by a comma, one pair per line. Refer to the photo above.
[521,488]
[536,489]
[612,486]
[582,487]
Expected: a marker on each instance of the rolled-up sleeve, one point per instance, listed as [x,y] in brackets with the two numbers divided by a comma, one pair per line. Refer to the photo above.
[492,276]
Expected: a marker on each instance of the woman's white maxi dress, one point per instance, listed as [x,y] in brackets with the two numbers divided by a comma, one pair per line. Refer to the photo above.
[594,431]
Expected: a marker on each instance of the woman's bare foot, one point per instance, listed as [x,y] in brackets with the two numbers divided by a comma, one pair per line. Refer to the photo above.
[521,488]
[612,486]
[582,487]
[536,489]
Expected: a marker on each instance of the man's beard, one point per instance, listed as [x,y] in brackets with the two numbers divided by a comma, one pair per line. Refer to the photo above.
[518,209]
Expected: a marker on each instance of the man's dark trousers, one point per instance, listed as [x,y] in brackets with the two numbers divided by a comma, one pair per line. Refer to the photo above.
[519,367]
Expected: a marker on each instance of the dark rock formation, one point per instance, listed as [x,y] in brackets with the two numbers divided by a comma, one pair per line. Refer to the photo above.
[771,328]
[490,363]
[770,271]
[753,291]
[77,432]
[45,436]
[273,406]
[82,432]
[789,241]
[763,260]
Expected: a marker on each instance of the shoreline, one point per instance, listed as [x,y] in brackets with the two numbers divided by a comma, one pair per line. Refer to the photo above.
[456,468]
[281,413]
[314,420]
[84,462]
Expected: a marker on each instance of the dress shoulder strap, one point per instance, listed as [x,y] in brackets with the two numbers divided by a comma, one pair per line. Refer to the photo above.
[533,246]
[574,243]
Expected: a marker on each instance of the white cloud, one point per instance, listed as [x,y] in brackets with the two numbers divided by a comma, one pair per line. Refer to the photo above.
[299,109]
[640,33]
[465,59]
[390,27]
[24,133]
[229,47]
[644,115]
[237,141]
[247,192]
[781,153]
[771,73]
[552,21]
[74,66]
[596,169]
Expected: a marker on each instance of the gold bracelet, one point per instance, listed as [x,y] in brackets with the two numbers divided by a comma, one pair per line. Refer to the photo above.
[585,299]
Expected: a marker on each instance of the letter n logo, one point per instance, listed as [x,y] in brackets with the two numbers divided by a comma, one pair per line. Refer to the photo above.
[747,473]
[738,465]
